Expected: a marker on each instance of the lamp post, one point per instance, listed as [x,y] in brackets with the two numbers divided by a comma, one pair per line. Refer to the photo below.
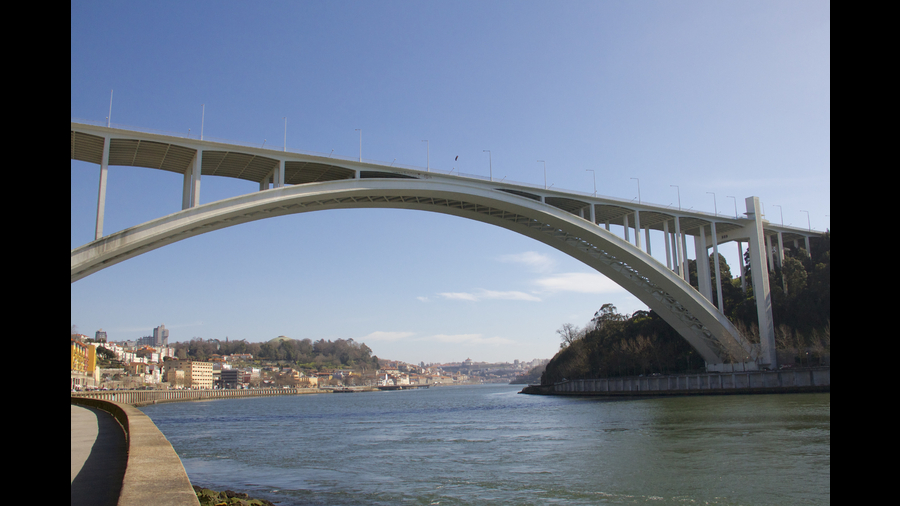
[109,118]
[595,180]
[780,211]
[639,188]
[808,226]
[735,205]
[715,208]
[679,195]
[490,162]
[545,173]
[427,156]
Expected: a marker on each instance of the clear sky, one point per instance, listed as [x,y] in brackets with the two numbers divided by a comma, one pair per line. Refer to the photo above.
[723,98]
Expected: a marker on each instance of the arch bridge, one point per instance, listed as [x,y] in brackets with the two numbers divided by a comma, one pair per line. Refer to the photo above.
[576,224]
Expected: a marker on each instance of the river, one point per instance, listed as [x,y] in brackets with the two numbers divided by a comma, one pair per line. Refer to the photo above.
[486,444]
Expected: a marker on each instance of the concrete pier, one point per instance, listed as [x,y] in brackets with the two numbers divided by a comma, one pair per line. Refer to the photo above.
[750,382]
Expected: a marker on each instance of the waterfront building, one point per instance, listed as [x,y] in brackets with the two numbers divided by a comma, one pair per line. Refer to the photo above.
[196,374]
[231,378]
[84,365]
[100,336]
[175,377]
[308,382]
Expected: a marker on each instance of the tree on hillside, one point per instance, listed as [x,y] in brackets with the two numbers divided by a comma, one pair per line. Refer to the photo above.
[568,333]
[643,343]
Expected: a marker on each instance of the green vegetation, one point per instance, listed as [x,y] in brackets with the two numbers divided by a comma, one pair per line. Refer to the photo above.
[303,353]
[613,344]
[209,497]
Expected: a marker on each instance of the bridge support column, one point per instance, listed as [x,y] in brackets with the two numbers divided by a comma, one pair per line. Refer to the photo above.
[279,175]
[186,189]
[715,245]
[195,178]
[647,239]
[679,250]
[668,248]
[637,229]
[625,224]
[759,274]
[769,253]
[703,279]
[780,252]
[743,273]
[101,193]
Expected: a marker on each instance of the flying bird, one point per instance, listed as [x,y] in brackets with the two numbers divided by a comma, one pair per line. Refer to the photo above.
[457,158]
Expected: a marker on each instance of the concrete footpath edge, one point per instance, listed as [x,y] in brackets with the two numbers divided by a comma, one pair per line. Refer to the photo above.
[154,473]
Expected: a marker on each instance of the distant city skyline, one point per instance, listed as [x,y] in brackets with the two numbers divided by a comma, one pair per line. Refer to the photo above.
[693,104]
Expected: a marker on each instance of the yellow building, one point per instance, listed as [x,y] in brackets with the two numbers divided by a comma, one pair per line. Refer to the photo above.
[84,365]
[308,382]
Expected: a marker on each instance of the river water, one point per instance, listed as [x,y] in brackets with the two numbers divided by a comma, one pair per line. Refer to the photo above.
[486,444]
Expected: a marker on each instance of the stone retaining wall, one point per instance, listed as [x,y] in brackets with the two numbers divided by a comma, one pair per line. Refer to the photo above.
[801,380]
[153,474]
[143,397]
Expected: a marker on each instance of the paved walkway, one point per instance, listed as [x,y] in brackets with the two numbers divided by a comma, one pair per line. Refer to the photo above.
[99,455]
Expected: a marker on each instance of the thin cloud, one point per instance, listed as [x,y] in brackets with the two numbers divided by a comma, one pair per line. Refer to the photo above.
[475,339]
[386,336]
[482,294]
[535,261]
[579,282]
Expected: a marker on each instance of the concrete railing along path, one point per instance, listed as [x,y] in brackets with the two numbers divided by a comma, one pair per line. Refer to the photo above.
[153,472]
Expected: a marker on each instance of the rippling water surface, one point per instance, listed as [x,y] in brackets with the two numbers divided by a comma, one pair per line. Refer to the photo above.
[489,445]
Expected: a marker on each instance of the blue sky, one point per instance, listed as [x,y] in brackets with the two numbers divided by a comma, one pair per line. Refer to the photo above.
[725,97]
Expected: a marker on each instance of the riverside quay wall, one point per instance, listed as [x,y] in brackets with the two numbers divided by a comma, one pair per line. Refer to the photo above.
[750,382]
[144,397]
[154,473]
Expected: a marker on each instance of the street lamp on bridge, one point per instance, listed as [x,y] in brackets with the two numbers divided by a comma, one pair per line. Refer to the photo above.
[808,226]
[545,173]
[715,208]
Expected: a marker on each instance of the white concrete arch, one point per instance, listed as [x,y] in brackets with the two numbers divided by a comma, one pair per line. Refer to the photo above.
[663,291]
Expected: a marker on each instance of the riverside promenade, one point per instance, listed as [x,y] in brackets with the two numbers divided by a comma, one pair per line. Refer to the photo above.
[120,457]
[99,454]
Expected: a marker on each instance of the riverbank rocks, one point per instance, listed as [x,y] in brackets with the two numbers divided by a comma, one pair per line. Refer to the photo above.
[209,497]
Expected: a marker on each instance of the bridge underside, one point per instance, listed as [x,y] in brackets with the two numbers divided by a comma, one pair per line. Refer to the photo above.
[244,163]
[663,291]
